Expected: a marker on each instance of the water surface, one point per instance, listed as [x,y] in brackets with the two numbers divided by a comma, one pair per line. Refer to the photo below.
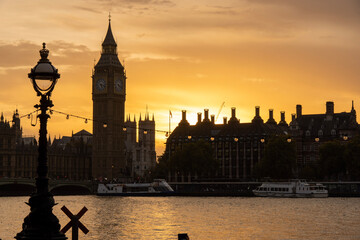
[203,218]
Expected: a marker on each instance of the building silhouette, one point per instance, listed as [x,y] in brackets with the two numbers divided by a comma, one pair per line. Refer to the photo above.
[108,95]
[140,146]
[68,157]
[311,130]
[239,146]
[10,139]
[71,157]
[236,146]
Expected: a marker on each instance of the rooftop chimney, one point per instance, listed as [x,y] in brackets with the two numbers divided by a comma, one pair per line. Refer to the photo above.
[329,108]
[225,120]
[199,118]
[183,115]
[183,120]
[271,117]
[212,118]
[257,117]
[293,116]
[282,121]
[233,118]
[206,113]
[298,111]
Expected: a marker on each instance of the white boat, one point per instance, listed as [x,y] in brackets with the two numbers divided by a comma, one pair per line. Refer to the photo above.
[293,188]
[159,187]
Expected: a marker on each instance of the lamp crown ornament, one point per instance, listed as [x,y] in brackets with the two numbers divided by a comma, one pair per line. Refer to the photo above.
[44,53]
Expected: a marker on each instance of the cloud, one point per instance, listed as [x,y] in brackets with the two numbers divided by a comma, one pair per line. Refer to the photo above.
[150,56]
[17,54]
[88,9]
[344,13]
[24,54]
[123,6]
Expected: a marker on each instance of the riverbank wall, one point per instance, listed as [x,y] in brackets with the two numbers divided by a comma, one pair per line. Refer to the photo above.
[235,189]
[244,189]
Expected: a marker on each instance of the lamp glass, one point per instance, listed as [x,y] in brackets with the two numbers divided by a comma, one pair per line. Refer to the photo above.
[43,84]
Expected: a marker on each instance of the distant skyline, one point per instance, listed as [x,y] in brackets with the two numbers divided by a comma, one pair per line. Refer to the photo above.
[185,55]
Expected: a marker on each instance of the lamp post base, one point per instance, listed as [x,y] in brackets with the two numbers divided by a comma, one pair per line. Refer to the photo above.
[41,223]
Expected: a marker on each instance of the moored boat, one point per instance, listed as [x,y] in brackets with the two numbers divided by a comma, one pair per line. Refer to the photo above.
[293,188]
[159,187]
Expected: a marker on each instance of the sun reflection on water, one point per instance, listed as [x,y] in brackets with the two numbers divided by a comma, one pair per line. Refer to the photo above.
[203,218]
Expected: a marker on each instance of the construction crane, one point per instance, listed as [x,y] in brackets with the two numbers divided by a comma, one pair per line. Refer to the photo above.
[221,107]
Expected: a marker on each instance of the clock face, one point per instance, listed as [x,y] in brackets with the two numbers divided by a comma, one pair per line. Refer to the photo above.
[119,85]
[100,84]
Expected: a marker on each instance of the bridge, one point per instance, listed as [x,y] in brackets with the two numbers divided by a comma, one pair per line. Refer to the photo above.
[25,186]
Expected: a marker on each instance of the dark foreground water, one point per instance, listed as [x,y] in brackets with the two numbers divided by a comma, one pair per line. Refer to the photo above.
[203,218]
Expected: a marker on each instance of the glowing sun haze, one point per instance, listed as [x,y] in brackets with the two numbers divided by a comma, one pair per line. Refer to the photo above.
[185,54]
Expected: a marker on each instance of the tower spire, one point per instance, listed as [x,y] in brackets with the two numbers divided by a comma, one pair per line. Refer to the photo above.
[352,107]
[109,50]
[109,40]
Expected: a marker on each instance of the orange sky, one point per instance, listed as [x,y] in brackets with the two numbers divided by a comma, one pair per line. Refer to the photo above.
[185,55]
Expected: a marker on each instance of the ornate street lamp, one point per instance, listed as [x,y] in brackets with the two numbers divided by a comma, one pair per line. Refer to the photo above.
[41,223]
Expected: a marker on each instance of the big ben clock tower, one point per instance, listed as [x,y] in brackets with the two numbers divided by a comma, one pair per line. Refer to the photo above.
[108,95]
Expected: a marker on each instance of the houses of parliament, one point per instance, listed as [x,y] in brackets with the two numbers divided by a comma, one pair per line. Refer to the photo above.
[117,149]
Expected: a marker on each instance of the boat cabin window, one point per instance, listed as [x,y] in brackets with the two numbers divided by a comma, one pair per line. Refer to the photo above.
[161,189]
[135,189]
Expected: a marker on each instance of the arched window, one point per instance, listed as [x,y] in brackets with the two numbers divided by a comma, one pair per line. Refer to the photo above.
[333,132]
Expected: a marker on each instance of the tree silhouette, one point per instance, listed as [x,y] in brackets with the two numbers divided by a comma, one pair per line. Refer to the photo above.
[352,159]
[331,164]
[279,159]
[195,158]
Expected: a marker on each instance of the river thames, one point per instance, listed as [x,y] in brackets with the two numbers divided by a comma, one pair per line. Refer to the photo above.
[203,218]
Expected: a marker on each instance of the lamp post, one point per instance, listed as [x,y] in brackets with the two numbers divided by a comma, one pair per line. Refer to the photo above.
[41,223]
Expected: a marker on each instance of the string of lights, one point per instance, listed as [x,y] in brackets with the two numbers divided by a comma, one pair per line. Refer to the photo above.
[29,114]
[104,124]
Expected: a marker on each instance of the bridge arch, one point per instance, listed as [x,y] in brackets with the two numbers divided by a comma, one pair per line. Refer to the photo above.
[17,189]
